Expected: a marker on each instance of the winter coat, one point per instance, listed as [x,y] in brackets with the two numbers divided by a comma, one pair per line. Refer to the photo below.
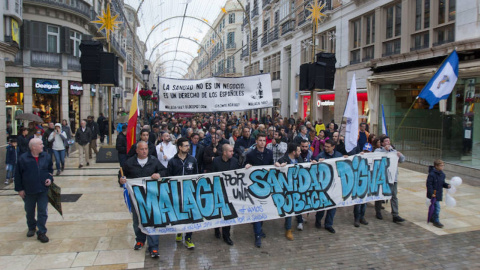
[241,144]
[30,175]
[178,167]
[22,143]
[83,137]
[94,129]
[151,150]
[132,169]
[46,134]
[435,181]
[325,155]
[12,155]
[220,166]
[121,144]
[208,156]
[198,154]
[257,158]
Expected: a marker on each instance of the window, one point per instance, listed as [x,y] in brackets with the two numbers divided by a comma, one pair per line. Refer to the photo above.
[271,64]
[446,11]
[394,21]
[53,39]
[99,6]
[306,53]
[327,41]
[284,9]
[266,25]
[445,32]
[231,40]
[231,18]
[75,40]
[356,41]
[277,17]
[422,14]
[369,29]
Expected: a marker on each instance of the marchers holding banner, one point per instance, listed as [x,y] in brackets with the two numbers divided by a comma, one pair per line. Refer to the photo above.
[186,204]
[216,94]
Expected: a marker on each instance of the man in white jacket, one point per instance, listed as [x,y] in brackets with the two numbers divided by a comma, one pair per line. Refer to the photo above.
[59,138]
[165,150]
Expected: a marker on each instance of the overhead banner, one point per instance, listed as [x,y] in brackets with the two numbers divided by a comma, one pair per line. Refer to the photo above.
[216,94]
[206,201]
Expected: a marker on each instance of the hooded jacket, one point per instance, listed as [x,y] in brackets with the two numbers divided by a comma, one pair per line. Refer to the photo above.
[435,181]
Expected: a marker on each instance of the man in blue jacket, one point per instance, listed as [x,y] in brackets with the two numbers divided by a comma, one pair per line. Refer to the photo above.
[32,178]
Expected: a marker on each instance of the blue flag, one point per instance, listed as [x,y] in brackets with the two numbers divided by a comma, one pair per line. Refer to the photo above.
[384,123]
[442,83]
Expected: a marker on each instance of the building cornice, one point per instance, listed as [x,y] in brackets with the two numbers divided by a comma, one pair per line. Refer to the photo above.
[8,49]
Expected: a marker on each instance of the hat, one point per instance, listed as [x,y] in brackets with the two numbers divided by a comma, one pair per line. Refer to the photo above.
[308,123]
[58,125]
[367,147]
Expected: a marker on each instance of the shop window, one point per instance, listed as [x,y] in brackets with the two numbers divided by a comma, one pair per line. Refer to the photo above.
[53,39]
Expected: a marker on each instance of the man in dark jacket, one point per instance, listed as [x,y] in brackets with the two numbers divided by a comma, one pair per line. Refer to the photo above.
[102,127]
[32,178]
[121,146]
[95,133]
[292,156]
[328,153]
[144,135]
[226,162]
[83,136]
[48,145]
[142,165]
[242,144]
[183,164]
[435,185]
[260,156]
[212,151]
[197,150]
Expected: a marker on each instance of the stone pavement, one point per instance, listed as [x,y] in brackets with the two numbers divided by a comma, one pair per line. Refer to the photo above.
[96,233]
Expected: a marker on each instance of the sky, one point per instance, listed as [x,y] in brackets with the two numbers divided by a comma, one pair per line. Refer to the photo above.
[163,22]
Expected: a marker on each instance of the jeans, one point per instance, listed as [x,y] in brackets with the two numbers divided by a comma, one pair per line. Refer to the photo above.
[141,237]
[328,219]
[288,221]
[436,213]
[59,158]
[257,228]
[40,201]
[393,201]
[10,171]
[359,211]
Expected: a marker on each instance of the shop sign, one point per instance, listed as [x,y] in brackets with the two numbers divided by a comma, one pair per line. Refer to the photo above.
[13,85]
[43,86]
[327,103]
[75,88]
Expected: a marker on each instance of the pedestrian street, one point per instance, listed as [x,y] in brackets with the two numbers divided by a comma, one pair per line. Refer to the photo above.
[96,233]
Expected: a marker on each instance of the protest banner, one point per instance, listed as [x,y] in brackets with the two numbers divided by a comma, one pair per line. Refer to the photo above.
[215,94]
[205,201]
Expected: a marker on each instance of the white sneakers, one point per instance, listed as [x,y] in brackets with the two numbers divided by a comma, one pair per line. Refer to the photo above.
[300,226]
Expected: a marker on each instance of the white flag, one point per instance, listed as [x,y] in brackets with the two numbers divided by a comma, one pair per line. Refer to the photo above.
[351,113]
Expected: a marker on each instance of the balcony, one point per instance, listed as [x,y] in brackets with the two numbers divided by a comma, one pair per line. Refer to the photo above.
[288,26]
[120,51]
[271,36]
[245,52]
[129,68]
[267,4]
[254,45]
[73,63]
[45,59]
[254,15]
[232,45]
[79,7]
[301,17]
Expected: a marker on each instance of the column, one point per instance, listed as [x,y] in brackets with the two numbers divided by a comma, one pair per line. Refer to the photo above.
[28,90]
[85,103]
[64,102]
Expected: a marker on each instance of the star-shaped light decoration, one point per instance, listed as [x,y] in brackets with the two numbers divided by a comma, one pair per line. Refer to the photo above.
[108,22]
[316,12]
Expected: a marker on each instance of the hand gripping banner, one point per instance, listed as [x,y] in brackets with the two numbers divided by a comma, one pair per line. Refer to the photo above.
[217,94]
[206,201]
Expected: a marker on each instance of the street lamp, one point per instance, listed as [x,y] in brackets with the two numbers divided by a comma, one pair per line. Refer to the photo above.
[146,75]
[155,97]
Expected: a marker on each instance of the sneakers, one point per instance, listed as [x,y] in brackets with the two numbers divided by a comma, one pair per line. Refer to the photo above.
[189,243]
[31,233]
[154,254]
[138,246]
[179,237]
[42,238]
[289,235]
[363,221]
[398,219]
[300,226]
[438,224]
[6,182]
[258,241]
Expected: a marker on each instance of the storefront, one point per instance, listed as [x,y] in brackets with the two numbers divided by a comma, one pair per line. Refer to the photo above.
[326,102]
[14,101]
[75,91]
[46,99]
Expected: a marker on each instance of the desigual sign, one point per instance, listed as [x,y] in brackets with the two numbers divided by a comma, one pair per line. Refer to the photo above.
[43,86]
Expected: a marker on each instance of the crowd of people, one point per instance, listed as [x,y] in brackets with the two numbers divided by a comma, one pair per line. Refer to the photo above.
[170,146]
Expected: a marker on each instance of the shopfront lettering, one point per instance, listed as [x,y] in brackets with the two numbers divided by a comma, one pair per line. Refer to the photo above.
[47,86]
[10,85]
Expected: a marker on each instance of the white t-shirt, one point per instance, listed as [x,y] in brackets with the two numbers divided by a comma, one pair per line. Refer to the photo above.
[142,162]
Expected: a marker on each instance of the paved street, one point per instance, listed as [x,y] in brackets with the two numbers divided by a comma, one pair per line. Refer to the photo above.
[96,233]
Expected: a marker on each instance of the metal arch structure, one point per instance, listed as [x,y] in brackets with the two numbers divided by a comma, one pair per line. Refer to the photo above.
[202,21]
[160,56]
[173,71]
[181,61]
[179,68]
[160,43]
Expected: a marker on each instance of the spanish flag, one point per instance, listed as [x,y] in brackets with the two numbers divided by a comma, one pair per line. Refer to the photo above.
[132,121]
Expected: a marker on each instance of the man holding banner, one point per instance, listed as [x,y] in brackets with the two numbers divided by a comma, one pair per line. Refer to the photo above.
[148,166]
[260,156]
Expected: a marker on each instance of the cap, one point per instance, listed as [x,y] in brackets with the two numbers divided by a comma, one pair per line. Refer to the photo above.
[58,125]
[307,123]
[367,147]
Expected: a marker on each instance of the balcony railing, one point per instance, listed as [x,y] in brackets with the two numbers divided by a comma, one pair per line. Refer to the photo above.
[254,12]
[245,52]
[118,48]
[266,4]
[270,36]
[129,68]
[288,26]
[254,45]
[79,6]
[232,45]
[45,59]
[73,63]
[19,58]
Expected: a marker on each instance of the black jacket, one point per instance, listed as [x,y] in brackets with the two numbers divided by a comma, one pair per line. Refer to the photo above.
[151,150]
[30,175]
[257,158]
[46,134]
[208,155]
[241,144]
[94,129]
[178,167]
[220,166]
[121,144]
[102,125]
[435,181]
[287,159]
[22,144]
[198,154]
[83,137]
[132,169]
